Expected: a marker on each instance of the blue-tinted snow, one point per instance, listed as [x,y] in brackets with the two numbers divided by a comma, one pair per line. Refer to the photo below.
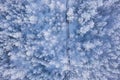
[59,40]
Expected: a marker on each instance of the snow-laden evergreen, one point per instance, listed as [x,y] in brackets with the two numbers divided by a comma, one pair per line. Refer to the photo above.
[59,40]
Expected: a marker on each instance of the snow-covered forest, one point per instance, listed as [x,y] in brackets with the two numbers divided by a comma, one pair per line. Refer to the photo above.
[59,39]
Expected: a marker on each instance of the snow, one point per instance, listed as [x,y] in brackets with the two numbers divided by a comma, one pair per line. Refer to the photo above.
[59,40]
[88,45]
[87,27]
[70,14]
[33,19]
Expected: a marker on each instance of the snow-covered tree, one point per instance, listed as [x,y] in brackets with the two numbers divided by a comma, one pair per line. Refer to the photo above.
[59,40]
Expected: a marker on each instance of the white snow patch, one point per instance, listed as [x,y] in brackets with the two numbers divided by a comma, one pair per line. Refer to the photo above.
[88,45]
[33,19]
